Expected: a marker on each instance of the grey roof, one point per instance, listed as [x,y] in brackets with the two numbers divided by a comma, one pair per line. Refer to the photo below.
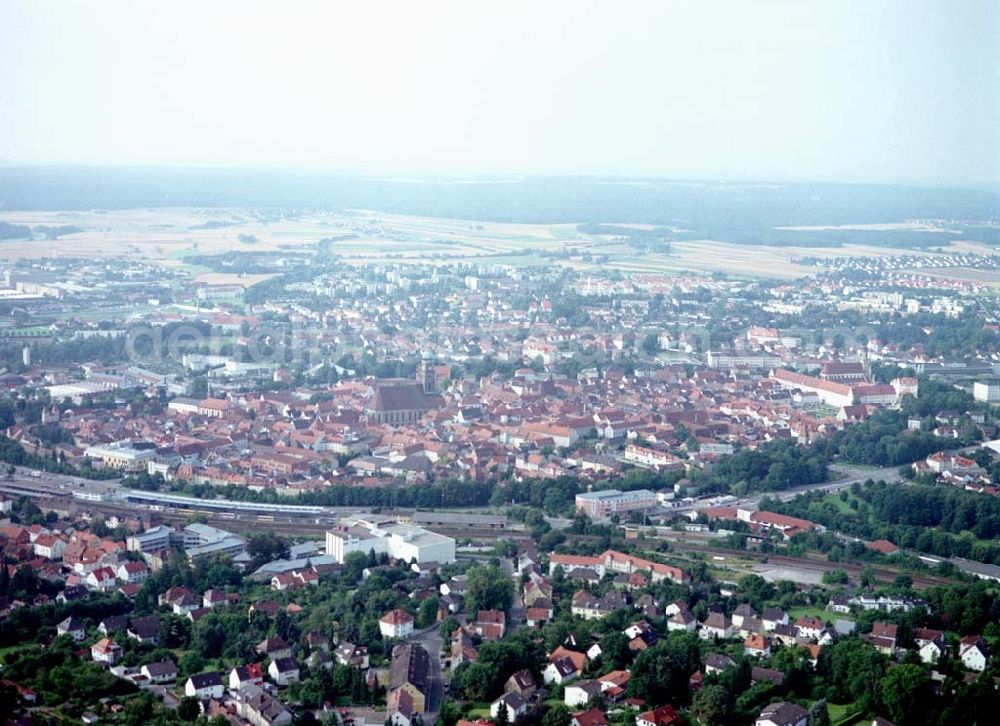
[458,518]
[410,664]
[206,680]
[719,661]
[589,686]
[784,713]
[72,623]
[399,397]
[758,674]
[276,567]
[513,699]
[164,667]
[844,627]
[286,665]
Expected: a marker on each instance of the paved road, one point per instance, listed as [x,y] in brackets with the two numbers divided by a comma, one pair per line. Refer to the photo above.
[850,475]
[517,611]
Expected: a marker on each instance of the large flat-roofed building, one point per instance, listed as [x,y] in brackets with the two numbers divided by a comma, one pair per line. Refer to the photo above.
[196,540]
[753,361]
[986,391]
[154,539]
[201,540]
[123,455]
[613,501]
[407,542]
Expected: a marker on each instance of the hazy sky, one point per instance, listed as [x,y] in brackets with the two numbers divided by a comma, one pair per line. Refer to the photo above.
[856,89]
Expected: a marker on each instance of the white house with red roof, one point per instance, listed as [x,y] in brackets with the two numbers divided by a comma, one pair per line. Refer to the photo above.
[105,651]
[396,624]
[49,546]
[132,572]
[662,716]
[103,579]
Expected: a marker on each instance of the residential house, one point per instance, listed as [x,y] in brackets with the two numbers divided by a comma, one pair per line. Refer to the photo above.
[160,673]
[349,654]
[716,625]
[105,651]
[409,672]
[883,637]
[716,663]
[73,627]
[579,693]
[49,546]
[491,624]
[839,604]
[560,671]
[274,648]
[213,598]
[662,716]
[682,619]
[613,685]
[284,671]
[930,644]
[772,618]
[757,645]
[741,613]
[205,685]
[396,624]
[145,630]
[809,627]
[783,714]
[973,653]
[766,675]
[247,675]
[132,572]
[523,683]
[101,578]
[259,708]
[513,703]
[590,717]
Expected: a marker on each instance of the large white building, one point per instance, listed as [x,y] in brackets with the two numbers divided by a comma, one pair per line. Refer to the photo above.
[612,501]
[197,540]
[201,540]
[986,391]
[154,539]
[407,542]
[123,455]
[754,361]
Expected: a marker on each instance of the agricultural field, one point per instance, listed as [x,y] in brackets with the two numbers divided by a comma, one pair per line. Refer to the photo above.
[169,236]
[990,278]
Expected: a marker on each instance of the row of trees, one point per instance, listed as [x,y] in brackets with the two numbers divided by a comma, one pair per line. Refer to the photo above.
[933,519]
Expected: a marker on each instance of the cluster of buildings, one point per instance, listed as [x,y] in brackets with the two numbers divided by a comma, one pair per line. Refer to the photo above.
[386,536]
[505,374]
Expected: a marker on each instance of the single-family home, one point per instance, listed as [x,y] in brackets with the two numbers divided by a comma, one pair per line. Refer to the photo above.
[396,624]
[164,671]
[513,703]
[783,714]
[284,671]
[205,685]
[972,650]
[579,693]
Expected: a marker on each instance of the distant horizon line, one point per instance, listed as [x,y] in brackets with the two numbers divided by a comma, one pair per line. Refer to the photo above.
[495,176]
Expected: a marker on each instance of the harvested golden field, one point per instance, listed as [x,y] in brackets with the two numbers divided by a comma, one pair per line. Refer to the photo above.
[171,236]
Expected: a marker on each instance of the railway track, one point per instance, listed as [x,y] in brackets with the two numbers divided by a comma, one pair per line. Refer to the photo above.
[312,525]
